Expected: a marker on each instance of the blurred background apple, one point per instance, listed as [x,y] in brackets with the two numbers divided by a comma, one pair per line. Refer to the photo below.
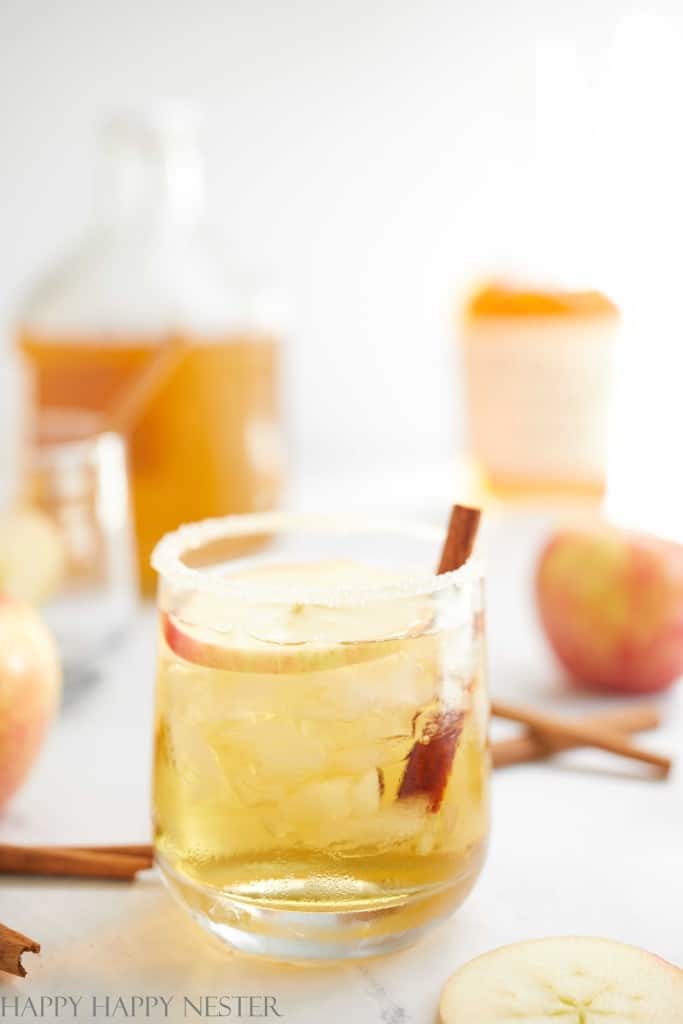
[611,603]
[30,680]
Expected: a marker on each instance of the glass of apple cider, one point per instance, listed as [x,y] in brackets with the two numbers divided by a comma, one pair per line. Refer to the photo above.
[321,759]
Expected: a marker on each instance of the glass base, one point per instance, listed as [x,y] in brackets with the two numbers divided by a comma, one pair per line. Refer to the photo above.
[316,935]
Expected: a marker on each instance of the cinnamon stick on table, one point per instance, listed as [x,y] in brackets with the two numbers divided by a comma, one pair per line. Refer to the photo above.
[145,850]
[580,733]
[12,945]
[533,746]
[65,862]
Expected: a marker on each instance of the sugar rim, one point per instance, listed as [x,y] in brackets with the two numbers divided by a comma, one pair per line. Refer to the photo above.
[167,560]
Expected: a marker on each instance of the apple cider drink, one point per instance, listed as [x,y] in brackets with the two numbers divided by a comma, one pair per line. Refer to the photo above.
[321,764]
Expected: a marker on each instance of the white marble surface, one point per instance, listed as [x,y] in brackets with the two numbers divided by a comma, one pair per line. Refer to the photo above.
[583,846]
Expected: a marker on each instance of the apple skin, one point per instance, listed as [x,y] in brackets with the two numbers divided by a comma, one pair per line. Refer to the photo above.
[30,684]
[611,603]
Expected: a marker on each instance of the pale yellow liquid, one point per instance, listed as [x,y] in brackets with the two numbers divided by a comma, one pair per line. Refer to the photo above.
[283,784]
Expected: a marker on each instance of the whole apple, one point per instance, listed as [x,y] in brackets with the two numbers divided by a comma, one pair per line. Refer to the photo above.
[30,681]
[611,603]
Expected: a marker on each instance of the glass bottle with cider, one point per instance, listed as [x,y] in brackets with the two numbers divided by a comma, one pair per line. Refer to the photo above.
[206,439]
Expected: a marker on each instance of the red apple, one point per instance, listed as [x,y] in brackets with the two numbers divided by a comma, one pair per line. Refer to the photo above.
[30,680]
[611,603]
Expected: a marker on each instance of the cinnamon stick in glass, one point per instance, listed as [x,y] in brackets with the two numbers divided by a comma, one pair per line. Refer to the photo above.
[459,543]
[532,746]
[12,946]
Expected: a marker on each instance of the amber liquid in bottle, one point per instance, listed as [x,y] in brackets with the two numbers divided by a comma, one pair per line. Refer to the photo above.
[207,442]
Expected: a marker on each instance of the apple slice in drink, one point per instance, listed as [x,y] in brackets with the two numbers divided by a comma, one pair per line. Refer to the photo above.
[238,636]
[581,980]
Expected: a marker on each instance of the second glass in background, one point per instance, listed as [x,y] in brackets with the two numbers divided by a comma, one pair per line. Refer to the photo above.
[73,517]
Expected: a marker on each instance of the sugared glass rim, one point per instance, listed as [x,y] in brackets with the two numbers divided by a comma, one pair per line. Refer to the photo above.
[167,557]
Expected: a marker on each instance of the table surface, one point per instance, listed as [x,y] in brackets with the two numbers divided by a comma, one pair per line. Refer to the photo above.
[587,845]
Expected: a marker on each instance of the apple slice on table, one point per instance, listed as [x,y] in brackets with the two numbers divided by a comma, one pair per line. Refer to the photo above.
[274,638]
[568,980]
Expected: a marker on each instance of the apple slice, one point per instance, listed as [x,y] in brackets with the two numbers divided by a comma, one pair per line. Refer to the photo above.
[568,980]
[430,760]
[276,638]
[32,556]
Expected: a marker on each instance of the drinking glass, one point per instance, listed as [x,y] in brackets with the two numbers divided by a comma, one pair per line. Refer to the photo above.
[321,759]
[79,480]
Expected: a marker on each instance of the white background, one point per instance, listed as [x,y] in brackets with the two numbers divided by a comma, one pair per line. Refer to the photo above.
[373,157]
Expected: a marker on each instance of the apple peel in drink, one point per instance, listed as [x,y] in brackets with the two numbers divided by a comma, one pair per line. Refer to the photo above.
[574,980]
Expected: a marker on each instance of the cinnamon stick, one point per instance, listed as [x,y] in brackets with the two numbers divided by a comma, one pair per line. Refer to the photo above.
[12,946]
[462,533]
[532,746]
[63,862]
[580,733]
[145,850]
